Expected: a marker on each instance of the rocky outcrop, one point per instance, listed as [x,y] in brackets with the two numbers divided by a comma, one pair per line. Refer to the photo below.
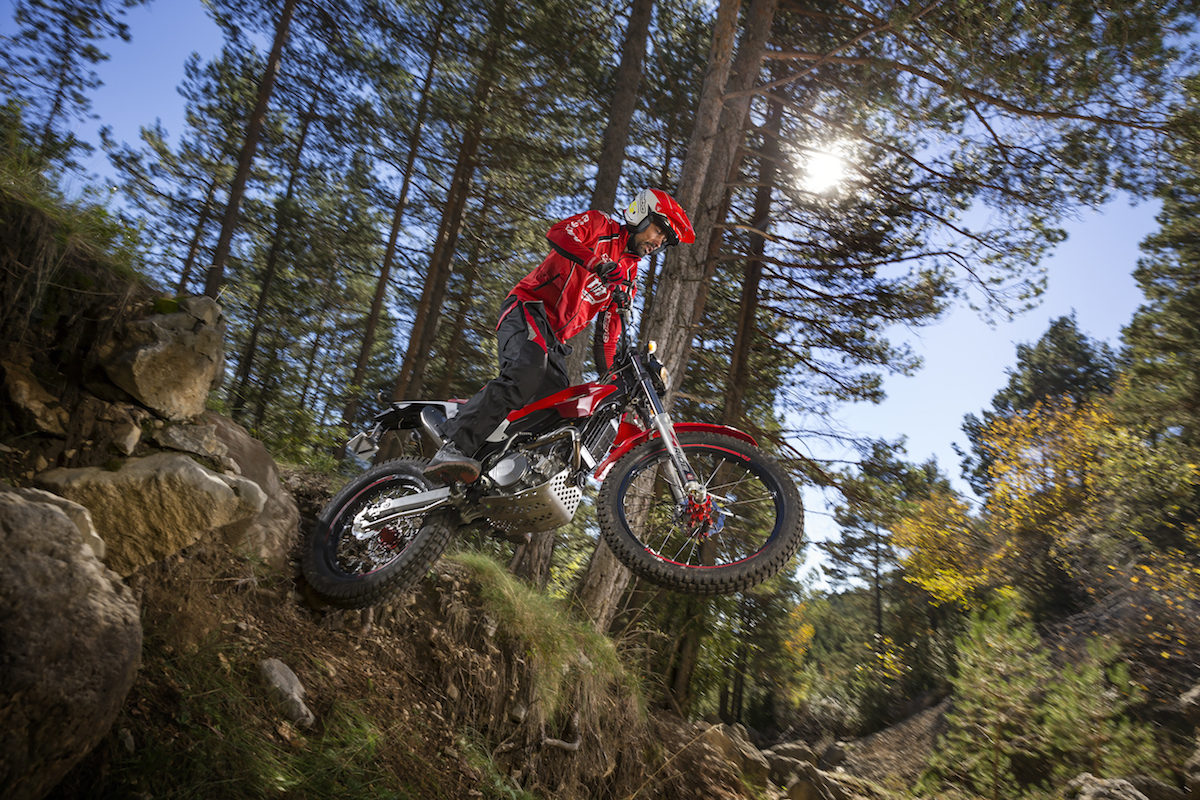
[169,362]
[155,506]
[788,760]
[734,746]
[38,409]
[71,635]
[269,534]
[1089,787]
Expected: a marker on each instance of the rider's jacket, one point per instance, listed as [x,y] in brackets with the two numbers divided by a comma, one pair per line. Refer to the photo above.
[571,293]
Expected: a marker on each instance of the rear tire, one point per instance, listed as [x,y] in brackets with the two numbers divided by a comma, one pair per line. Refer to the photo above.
[351,565]
[747,534]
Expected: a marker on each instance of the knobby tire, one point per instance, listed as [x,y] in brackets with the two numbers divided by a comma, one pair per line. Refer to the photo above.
[349,565]
[757,511]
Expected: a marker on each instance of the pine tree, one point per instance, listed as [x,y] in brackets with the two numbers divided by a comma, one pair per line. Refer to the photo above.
[47,68]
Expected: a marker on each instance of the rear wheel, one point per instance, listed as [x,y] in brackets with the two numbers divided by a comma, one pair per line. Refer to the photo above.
[354,561]
[747,529]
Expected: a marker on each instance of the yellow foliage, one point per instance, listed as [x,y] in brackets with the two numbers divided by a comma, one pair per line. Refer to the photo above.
[799,634]
[943,552]
[1044,471]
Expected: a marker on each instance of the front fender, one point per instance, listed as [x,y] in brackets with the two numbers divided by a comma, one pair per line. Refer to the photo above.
[680,427]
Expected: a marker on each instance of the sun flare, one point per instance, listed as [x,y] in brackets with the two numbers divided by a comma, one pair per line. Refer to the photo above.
[823,172]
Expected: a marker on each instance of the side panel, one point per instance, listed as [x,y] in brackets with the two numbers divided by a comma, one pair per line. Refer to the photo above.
[624,446]
[571,403]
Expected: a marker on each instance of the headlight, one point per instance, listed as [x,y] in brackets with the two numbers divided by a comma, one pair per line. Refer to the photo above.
[659,374]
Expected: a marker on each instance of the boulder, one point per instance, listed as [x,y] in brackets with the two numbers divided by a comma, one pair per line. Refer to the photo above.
[1154,789]
[1089,787]
[286,691]
[796,750]
[813,784]
[271,534]
[155,506]
[38,408]
[731,743]
[170,362]
[787,760]
[72,637]
[79,516]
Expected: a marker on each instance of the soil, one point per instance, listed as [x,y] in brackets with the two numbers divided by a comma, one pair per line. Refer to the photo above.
[425,670]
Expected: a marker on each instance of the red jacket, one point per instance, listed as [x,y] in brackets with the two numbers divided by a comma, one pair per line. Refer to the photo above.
[572,295]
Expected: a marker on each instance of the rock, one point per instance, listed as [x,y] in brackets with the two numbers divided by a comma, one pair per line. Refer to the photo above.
[784,769]
[745,757]
[170,362]
[199,439]
[79,516]
[797,750]
[1089,787]
[813,784]
[271,533]
[72,645]
[286,691]
[1154,789]
[38,408]
[155,506]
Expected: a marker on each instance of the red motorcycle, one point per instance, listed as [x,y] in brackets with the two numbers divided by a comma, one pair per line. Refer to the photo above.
[694,507]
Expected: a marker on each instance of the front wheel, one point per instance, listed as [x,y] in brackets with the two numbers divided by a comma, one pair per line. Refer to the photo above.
[358,555]
[745,531]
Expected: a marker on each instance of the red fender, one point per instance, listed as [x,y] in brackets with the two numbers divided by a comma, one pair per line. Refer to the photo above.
[631,439]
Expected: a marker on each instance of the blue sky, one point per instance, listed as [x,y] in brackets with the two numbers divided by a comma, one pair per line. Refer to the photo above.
[965,358]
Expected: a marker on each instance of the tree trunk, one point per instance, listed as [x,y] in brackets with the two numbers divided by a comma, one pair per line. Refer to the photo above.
[606,578]
[739,362]
[185,275]
[216,273]
[599,593]
[364,353]
[283,223]
[424,331]
[711,153]
[625,95]
[687,650]
[616,138]
[459,326]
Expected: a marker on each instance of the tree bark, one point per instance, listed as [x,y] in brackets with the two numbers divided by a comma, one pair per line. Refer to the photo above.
[599,593]
[627,78]
[711,154]
[216,273]
[364,354]
[424,330]
[606,578]
[739,362]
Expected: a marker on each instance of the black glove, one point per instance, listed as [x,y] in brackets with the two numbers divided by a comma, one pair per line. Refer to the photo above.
[620,299]
[606,269]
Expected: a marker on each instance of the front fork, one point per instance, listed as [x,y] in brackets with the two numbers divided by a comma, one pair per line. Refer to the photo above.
[684,484]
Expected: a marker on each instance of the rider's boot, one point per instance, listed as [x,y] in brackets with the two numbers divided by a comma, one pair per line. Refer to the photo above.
[449,464]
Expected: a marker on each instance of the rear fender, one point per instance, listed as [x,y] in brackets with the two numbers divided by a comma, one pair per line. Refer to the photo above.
[629,437]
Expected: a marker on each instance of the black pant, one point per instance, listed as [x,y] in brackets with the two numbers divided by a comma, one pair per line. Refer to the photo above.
[532,366]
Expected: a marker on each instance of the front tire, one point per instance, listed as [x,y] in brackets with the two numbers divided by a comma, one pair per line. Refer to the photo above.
[350,564]
[747,531]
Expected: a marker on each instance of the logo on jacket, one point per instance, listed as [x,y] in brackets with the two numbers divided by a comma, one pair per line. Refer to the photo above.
[595,290]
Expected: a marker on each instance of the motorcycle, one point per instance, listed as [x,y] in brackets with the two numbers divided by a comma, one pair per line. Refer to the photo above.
[694,507]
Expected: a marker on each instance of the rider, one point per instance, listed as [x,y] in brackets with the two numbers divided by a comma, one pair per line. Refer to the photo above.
[591,253]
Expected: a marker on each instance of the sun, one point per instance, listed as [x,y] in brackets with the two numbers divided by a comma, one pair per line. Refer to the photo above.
[823,171]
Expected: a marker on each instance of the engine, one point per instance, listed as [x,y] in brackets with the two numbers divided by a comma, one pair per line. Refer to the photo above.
[535,490]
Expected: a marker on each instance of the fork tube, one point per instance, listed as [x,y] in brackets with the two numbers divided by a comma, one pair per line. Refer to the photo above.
[661,419]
